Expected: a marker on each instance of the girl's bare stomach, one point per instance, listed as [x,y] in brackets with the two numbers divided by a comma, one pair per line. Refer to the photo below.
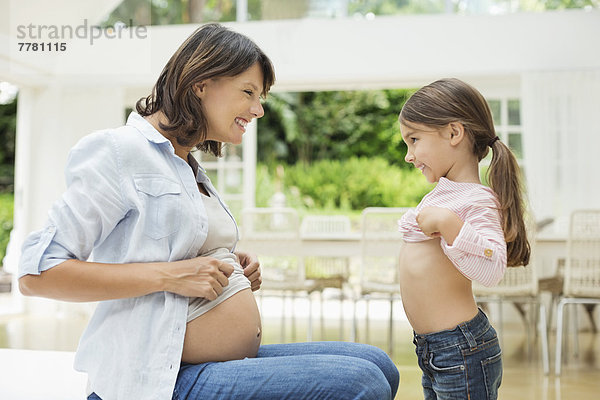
[435,295]
[230,331]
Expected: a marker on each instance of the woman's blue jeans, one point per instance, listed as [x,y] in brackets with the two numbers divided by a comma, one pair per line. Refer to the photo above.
[314,370]
[462,363]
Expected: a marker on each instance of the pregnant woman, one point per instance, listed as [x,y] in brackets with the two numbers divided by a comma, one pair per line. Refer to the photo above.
[142,230]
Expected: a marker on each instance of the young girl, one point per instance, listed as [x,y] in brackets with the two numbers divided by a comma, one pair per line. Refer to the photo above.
[460,232]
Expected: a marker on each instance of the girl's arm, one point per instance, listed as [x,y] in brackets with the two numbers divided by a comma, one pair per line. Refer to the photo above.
[439,222]
[475,245]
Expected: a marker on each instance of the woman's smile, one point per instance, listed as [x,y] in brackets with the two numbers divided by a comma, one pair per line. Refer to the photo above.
[236,97]
[241,123]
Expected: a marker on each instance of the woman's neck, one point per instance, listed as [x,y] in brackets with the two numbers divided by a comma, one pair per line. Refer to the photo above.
[155,120]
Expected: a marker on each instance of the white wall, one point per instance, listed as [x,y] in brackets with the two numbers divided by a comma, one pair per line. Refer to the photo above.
[317,54]
[409,51]
[50,121]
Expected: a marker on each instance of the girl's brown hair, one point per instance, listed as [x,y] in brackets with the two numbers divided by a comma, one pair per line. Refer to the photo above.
[452,100]
[212,51]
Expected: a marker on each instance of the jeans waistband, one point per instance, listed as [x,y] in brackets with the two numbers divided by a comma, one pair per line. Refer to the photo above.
[469,330]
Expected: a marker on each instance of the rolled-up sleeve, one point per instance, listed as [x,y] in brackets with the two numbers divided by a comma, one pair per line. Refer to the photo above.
[479,250]
[87,212]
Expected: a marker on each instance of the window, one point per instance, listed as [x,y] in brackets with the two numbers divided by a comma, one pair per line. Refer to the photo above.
[506,113]
[507,121]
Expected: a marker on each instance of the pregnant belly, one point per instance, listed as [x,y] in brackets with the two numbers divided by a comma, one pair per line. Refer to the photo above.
[230,331]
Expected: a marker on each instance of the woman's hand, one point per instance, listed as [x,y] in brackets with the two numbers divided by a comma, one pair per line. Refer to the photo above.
[251,266]
[438,221]
[197,277]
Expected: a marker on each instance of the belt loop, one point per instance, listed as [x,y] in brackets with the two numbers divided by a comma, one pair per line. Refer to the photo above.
[468,335]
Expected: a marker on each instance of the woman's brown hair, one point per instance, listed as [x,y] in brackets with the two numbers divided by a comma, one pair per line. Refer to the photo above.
[212,51]
[452,100]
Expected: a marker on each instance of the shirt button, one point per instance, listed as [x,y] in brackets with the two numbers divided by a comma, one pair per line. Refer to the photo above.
[488,252]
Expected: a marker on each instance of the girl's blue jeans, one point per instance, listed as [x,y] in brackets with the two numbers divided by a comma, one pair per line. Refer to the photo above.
[314,370]
[462,363]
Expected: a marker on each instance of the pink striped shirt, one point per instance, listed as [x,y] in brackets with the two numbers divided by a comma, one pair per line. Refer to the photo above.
[479,250]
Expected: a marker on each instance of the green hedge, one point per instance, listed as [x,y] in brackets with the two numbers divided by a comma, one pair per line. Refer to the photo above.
[347,185]
[6,221]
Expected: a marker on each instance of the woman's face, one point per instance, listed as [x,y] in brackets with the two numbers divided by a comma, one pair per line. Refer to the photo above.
[230,103]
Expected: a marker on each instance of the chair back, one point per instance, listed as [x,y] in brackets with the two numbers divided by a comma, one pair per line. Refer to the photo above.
[270,223]
[582,268]
[274,235]
[380,246]
[329,271]
[517,281]
[325,226]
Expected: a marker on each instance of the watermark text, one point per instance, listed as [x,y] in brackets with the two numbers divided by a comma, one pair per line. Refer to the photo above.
[34,32]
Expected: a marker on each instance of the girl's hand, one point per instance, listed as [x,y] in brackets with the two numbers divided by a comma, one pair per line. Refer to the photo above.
[251,266]
[197,277]
[438,221]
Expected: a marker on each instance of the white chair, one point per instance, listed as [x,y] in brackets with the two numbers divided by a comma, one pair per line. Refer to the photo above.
[582,270]
[274,235]
[380,249]
[327,272]
[519,286]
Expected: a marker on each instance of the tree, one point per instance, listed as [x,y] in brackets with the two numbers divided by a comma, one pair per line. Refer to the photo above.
[8,129]
[173,12]
[309,126]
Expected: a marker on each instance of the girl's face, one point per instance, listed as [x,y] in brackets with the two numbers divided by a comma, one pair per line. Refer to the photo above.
[230,103]
[428,150]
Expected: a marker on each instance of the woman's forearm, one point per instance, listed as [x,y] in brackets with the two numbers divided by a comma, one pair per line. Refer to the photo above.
[75,280]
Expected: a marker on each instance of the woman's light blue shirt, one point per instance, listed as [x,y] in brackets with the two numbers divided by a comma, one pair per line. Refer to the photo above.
[129,198]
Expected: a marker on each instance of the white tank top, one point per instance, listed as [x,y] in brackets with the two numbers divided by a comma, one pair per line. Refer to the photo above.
[221,238]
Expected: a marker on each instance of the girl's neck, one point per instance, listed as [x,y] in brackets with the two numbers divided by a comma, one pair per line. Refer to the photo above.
[465,178]
[465,171]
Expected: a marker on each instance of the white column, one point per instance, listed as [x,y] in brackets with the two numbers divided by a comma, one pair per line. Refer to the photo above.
[249,158]
[241,11]
[50,121]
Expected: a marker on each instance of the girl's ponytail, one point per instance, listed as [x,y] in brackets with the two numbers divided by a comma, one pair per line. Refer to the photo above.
[504,178]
